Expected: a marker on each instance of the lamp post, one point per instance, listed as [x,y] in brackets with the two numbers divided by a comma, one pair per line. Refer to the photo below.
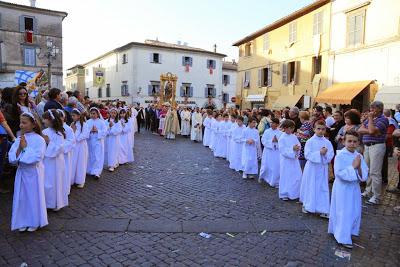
[50,53]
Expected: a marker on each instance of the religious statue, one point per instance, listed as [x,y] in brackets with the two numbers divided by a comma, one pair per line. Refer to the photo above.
[168,92]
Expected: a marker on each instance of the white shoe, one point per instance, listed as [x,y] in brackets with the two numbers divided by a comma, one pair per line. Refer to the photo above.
[365,194]
[32,229]
[56,209]
[324,215]
[244,176]
[285,198]
[259,180]
[304,210]
[111,169]
[373,201]
[23,229]
[80,186]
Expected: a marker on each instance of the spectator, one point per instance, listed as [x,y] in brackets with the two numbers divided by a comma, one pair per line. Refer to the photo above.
[5,131]
[352,119]
[294,116]
[54,100]
[317,115]
[335,128]
[304,133]
[397,114]
[40,106]
[374,130]
[329,120]
[396,153]
[389,144]
[79,105]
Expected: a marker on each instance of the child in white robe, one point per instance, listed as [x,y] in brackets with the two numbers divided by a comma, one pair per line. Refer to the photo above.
[125,150]
[269,171]
[114,130]
[81,152]
[345,211]
[231,127]
[251,150]
[69,144]
[29,204]
[54,163]
[213,129]
[207,129]
[289,165]
[235,158]
[314,190]
[98,131]
[197,124]
[220,143]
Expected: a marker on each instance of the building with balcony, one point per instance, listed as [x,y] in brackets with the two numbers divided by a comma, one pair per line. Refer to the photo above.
[24,29]
[75,79]
[229,70]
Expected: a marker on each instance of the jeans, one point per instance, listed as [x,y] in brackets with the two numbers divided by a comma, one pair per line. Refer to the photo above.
[374,158]
[3,151]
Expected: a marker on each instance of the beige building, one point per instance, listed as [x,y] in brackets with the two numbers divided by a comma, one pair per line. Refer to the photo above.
[24,29]
[75,79]
[286,62]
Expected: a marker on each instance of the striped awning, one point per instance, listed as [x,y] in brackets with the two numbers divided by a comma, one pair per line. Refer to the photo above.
[286,101]
[342,93]
[256,98]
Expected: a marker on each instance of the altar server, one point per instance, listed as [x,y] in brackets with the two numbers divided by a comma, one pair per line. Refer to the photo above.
[125,147]
[114,130]
[29,204]
[207,129]
[235,158]
[251,150]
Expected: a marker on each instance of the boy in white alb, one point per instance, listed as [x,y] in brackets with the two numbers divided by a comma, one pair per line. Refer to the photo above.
[235,158]
[251,149]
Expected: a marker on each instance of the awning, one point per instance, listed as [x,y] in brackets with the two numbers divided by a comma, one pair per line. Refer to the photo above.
[256,98]
[389,95]
[286,101]
[342,93]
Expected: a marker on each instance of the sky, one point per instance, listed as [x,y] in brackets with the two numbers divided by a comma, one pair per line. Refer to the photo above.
[94,27]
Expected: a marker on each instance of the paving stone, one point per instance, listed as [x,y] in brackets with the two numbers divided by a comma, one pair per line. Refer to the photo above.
[96,225]
[219,226]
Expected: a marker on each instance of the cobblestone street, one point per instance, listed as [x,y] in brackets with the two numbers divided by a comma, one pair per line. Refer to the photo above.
[150,213]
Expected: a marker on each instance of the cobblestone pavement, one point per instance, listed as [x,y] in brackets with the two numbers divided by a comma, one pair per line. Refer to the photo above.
[150,213]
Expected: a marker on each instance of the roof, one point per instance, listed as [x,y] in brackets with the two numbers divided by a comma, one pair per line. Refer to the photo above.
[157,44]
[342,93]
[299,13]
[76,66]
[229,65]
[33,9]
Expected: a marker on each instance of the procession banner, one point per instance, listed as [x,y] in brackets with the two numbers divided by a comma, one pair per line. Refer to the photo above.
[99,77]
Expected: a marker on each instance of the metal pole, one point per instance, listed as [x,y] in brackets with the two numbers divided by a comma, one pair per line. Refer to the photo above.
[49,71]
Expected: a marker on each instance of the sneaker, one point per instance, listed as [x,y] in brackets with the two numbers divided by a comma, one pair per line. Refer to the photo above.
[32,229]
[365,194]
[23,229]
[80,186]
[285,198]
[324,215]
[304,210]
[244,176]
[111,169]
[373,201]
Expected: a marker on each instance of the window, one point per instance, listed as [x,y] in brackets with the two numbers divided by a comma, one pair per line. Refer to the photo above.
[108,90]
[290,72]
[154,88]
[225,98]
[316,66]
[293,32]
[87,72]
[186,90]
[100,92]
[210,91]
[124,89]
[124,58]
[355,27]
[266,42]
[226,79]
[246,80]
[318,23]
[265,76]
[29,56]
[247,50]
[211,64]
[27,23]
[155,58]
[86,91]
[187,61]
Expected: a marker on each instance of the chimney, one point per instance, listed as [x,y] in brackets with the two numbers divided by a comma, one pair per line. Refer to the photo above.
[215,48]
[33,3]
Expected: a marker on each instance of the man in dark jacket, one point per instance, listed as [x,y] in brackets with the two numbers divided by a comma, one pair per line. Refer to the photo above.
[54,100]
[139,117]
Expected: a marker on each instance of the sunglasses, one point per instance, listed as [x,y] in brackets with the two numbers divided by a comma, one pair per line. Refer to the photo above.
[22,94]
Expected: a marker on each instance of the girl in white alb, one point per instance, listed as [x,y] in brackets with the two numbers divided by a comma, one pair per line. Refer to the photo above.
[125,150]
[29,204]
[114,131]
[54,163]
[80,152]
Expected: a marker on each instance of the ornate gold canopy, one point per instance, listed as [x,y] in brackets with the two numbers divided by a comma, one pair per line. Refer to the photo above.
[168,88]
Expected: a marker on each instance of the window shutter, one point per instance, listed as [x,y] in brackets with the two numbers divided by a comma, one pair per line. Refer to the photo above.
[159,58]
[149,89]
[183,60]
[228,79]
[214,92]
[206,91]
[269,78]
[191,62]
[151,58]
[208,63]
[191,91]
[21,23]
[182,92]
[284,74]
[214,64]
[35,28]
[259,78]
[297,72]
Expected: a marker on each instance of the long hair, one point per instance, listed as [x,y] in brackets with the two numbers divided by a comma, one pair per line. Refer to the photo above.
[127,115]
[56,123]
[116,117]
[15,99]
[82,118]
[36,128]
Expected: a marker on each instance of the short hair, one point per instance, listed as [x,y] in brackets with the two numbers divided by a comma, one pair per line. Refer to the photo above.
[72,100]
[275,120]
[387,112]
[225,115]
[54,92]
[240,118]
[288,124]
[305,115]
[377,104]
[320,122]
[319,108]
[76,93]
[339,112]
[329,110]
[295,110]
[234,116]
[251,119]
[352,133]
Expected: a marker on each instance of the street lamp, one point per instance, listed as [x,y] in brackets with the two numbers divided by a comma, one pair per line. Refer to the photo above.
[50,53]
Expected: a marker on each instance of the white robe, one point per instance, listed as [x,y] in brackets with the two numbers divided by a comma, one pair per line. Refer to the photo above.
[29,203]
[269,170]
[207,131]
[96,146]
[69,144]
[213,129]
[290,170]
[132,141]
[112,144]
[314,190]
[237,148]
[345,210]
[125,150]
[54,171]
[251,152]
[196,132]
[134,121]
[185,121]
[228,134]
[80,154]
[221,139]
